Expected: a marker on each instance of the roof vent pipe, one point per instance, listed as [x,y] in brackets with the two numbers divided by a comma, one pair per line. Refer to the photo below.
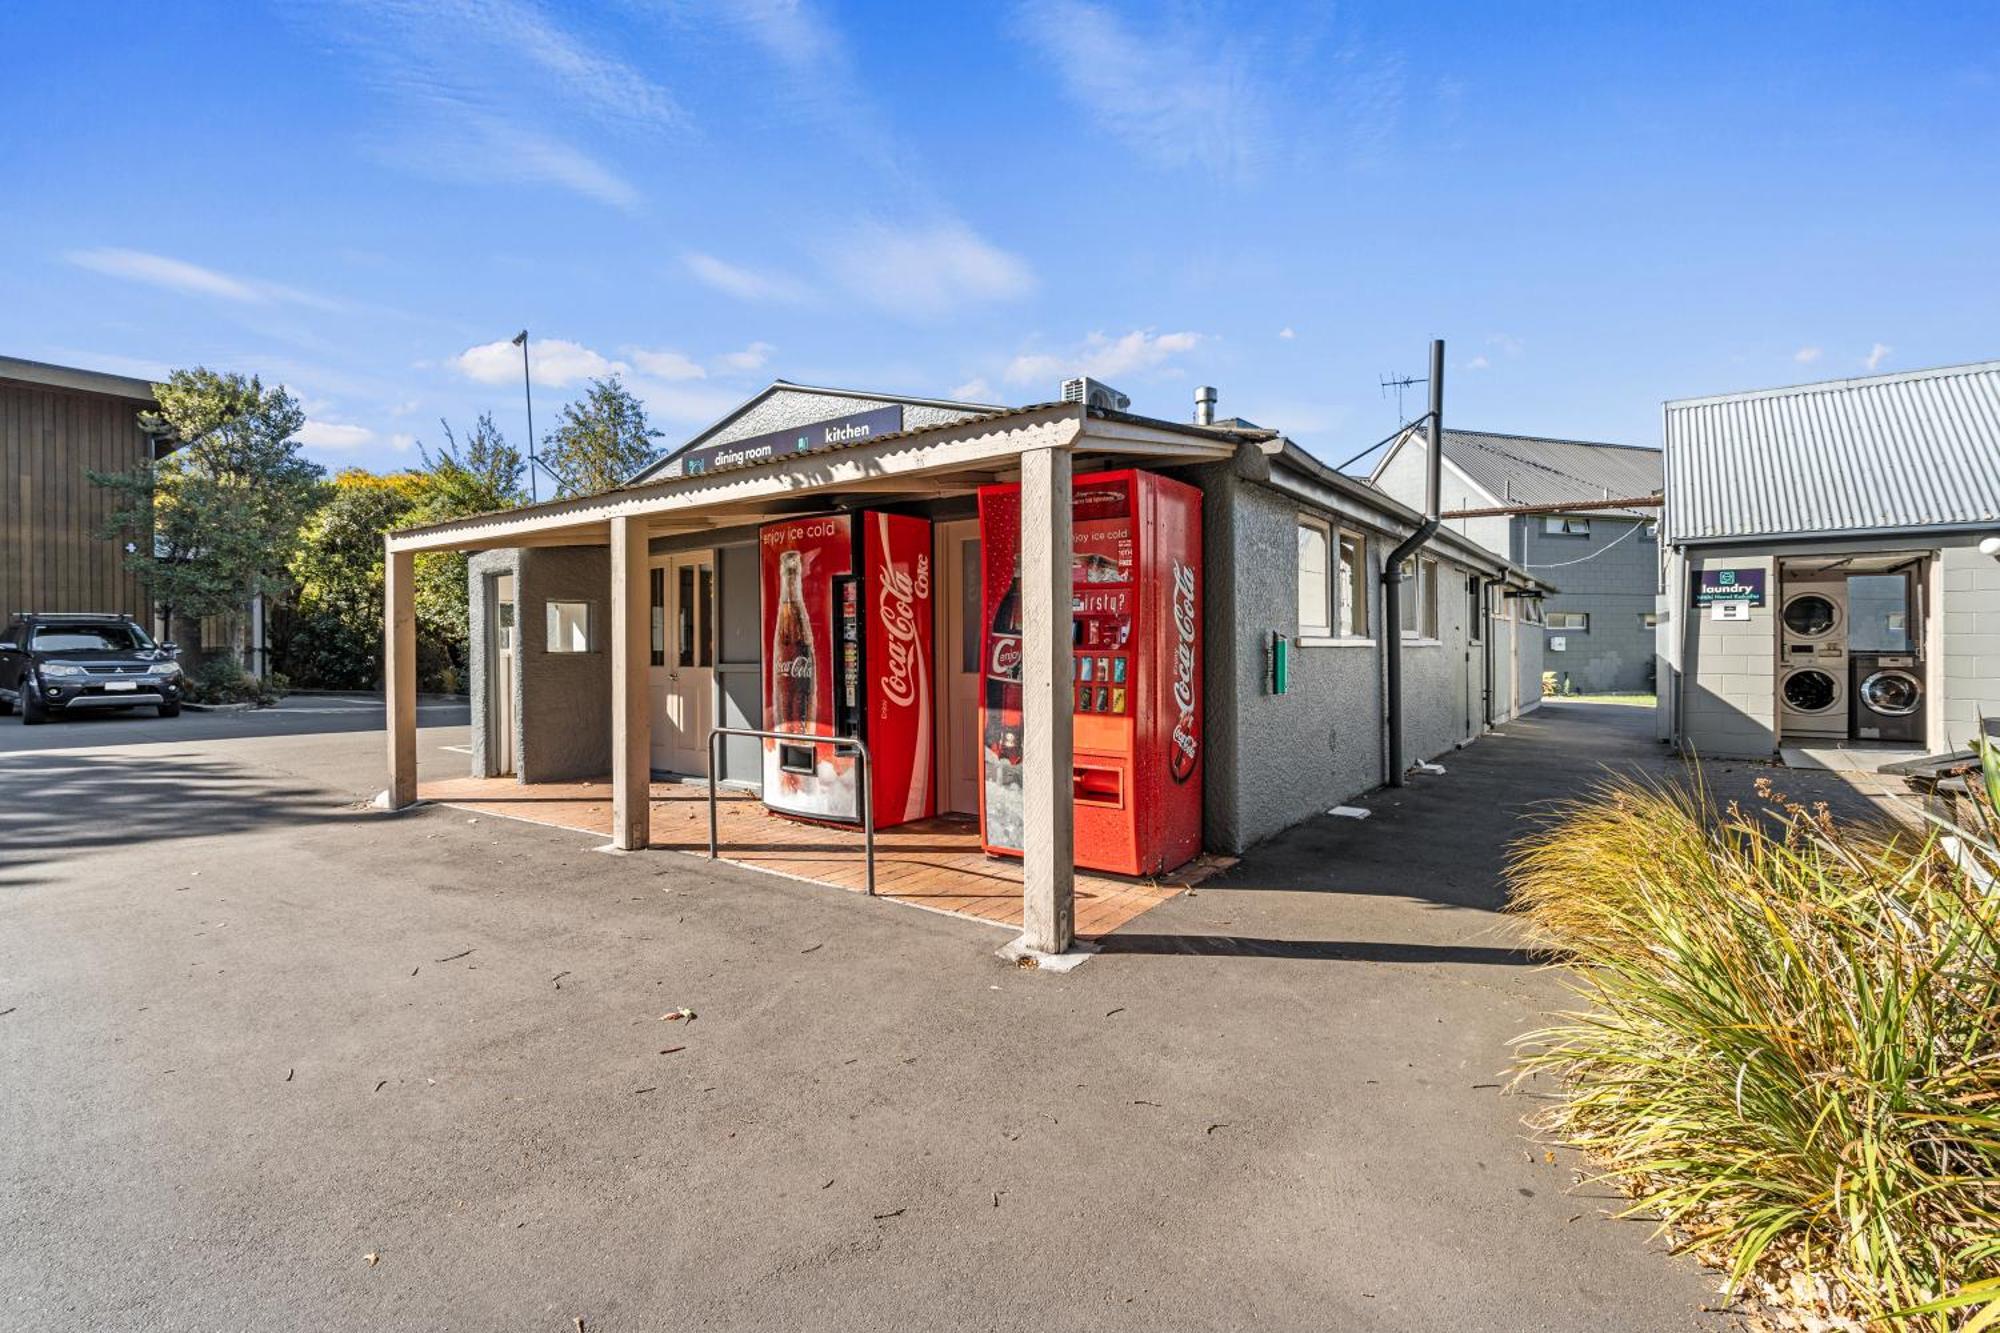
[1204,405]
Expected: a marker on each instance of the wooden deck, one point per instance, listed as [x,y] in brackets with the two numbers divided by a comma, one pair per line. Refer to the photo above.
[935,864]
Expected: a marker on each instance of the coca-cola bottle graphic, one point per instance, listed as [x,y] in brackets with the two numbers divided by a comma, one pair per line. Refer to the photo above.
[794,658]
[1003,676]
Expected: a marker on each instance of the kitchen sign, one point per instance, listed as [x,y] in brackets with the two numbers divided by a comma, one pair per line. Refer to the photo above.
[1744,586]
[851,429]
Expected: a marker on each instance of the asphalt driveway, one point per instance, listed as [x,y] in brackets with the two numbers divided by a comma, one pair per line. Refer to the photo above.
[268,1060]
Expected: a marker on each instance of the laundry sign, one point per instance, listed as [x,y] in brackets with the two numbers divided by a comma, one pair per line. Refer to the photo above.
[1744,586]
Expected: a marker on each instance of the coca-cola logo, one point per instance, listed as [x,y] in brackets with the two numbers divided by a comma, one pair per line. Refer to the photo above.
[897,605]
[797,668]
[1185,747]
[1006,660]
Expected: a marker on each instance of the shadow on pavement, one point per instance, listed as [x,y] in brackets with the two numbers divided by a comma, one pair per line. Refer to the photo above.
[1329,951]
[296,715]
[57,804]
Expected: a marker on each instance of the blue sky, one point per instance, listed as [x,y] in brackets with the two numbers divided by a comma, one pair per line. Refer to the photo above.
[1598,208]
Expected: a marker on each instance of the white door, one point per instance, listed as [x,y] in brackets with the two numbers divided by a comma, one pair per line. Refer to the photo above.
[959,652]
[682,608]
[500,690]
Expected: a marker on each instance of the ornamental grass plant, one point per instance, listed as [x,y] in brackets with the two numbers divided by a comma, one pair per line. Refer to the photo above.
[1788,1043]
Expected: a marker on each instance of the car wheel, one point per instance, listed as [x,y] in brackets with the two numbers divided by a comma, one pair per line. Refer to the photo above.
[170,710]
[33,712]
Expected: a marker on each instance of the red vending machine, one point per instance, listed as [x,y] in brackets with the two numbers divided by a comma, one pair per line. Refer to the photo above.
[1136,644]
[847,624]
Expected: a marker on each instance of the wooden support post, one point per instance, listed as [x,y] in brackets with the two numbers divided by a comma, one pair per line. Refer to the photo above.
[399,673]
[1048,887]
[631,708]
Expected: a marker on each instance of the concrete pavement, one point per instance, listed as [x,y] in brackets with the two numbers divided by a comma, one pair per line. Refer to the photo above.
[255,1034]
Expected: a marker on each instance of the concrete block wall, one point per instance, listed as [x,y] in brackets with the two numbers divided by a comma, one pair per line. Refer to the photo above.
[1966,681]
[1611,576]
[1729,672]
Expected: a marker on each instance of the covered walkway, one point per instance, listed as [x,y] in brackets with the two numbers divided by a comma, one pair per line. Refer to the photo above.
[935,864]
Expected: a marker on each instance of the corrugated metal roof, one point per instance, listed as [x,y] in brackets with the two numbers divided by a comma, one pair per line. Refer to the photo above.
[1534,470]
[1913,450]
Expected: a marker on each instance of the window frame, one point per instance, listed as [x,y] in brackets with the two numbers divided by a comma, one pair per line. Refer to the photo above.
[1572,622]
[1564,525]
[553,619]
[1420,576]
[1322,629]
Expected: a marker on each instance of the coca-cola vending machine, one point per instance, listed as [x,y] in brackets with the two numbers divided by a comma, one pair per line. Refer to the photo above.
[1135,637]
[847,624]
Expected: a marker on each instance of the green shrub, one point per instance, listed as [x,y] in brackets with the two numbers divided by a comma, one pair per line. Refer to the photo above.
[222,680]
[1790,1051]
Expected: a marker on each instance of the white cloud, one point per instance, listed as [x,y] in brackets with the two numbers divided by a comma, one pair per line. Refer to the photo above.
[334,435]
[1102,357]
[665,365]
[742,283]
[1805,356]
[555,362]
[1876,355]
[750,358]
[928,271]
[1507,343]
[1286,333]
[402,443]
[1478,362]
[180,276]
[497,91]
[974,390]
[1182,94]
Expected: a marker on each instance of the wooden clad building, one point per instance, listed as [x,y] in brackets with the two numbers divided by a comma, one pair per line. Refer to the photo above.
[57,425]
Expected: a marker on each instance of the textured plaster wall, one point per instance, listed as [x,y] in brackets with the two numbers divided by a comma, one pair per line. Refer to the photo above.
[1610,576]
[1728,671]
[1278,759]
[565,703]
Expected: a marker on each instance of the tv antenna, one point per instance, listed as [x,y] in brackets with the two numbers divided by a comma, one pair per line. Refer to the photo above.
[1399,383]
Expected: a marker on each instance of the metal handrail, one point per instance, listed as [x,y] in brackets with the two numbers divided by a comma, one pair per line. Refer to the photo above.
[867,786]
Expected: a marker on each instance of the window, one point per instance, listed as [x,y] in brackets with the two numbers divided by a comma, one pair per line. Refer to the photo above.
[1420,599]
[1475,618]
[1562,525]
[657,600]
[1531,610]
[1575,621]
[1315,612]
[1351,616]
[569,627]
[113,638]
[684,616]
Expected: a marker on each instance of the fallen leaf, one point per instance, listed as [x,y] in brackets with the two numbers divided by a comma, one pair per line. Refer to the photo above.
[455,957]
[883,1217]
[1220,1124]
[373,1258]
[820,945]
[1119,1010]
[677,1015]
[637,1091]
[289,1073]
[383,1084]
[672,1050]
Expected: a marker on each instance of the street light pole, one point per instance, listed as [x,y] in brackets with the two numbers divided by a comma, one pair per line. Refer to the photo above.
[528,392]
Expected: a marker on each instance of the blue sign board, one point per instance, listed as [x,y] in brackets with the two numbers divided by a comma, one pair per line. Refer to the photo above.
[850,429]
[1729,585]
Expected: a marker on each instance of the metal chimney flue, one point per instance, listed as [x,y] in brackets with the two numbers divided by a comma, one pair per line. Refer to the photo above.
[1204,405]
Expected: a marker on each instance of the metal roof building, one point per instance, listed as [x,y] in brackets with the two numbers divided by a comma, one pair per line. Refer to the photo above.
[1534,470]
[1918,449]
[1829,576]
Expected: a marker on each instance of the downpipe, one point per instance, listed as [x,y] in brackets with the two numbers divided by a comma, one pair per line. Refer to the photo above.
[1392,569]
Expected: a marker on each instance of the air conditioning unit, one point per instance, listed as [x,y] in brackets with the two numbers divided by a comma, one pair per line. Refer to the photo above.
[1093,393]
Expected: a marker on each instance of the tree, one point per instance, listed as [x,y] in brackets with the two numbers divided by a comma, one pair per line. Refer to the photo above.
[331,635]
[482,476]
[214,524]
[601,442]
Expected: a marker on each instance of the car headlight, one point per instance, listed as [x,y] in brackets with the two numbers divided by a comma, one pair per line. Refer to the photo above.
[167,670]
[62,670]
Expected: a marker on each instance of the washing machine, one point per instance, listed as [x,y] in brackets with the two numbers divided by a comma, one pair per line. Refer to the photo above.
[1887,700]
[1812,659]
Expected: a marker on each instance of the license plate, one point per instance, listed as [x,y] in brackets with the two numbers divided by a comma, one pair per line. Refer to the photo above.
[117,685]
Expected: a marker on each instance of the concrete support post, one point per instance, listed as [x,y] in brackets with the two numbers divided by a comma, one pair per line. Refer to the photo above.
[1048,741]
[399,673]
[631,709]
